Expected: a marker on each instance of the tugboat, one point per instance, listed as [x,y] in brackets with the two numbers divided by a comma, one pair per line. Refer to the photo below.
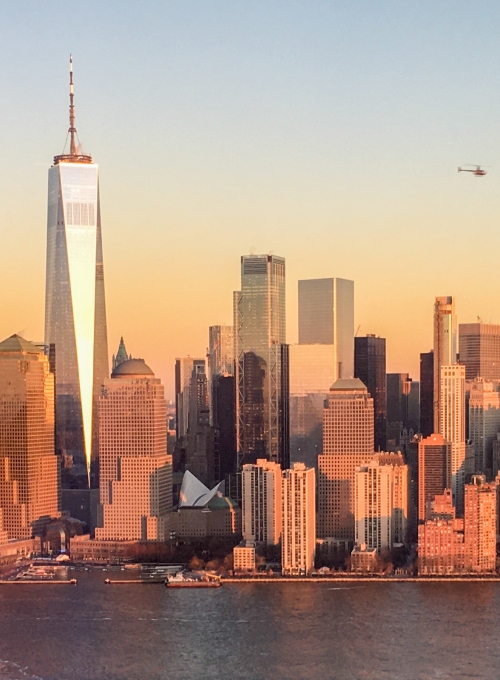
[193,579]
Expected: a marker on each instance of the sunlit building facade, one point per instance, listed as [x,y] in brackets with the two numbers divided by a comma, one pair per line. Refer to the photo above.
[261,502]
[452,427]
[484,421]
[136,471]
[29,472]
[75,311]
[445,344]
[480,350]
[348,442]
[298,536]
[381,502]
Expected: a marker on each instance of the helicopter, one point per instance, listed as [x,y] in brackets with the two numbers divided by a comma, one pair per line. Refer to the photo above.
[478,171]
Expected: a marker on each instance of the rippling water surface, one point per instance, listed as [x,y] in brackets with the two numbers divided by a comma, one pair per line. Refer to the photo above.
[289,631]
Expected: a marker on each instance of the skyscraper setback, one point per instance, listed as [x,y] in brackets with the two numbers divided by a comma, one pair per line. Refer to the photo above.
[261,361]
[75,311]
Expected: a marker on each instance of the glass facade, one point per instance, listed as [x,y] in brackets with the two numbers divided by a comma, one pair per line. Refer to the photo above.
[75,313]
[261,360]
[326,316]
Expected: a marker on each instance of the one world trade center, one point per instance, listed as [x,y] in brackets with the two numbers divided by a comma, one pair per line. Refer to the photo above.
[75,311]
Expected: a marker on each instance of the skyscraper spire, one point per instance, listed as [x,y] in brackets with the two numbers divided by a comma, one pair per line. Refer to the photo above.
[72,129]
[75,155]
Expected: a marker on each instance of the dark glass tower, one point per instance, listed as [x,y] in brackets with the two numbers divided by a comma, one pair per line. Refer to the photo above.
[261,361]
[369,367]
[427,393]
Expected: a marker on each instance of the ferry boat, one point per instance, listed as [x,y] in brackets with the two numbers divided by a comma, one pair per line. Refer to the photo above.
[193,579]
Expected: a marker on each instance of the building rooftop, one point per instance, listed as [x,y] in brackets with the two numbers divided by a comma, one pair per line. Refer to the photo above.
[348,385]
[18,344]
[132,367]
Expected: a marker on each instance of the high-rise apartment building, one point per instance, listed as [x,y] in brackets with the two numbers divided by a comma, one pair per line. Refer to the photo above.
[452,427]
[298,536]
[427,394]
[75,311]
[326,317]
[261,361]
[480,350]
[347,444]
[480,525]
[262,502]
[135,469]
[484,421]
[447,545]
[434,454]
[382,502]
[29,471]
[445,343]
[369,367]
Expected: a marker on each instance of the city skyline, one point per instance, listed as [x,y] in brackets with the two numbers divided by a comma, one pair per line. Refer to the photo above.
[338,190]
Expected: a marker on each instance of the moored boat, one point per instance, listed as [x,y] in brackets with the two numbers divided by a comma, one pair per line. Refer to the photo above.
[193,579]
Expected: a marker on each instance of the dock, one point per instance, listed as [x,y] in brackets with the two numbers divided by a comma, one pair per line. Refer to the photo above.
[25,581]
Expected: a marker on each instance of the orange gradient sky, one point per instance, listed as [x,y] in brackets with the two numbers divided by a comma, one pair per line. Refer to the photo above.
[328,133]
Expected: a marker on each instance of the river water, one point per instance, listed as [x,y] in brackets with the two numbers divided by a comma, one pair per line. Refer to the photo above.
[290,631]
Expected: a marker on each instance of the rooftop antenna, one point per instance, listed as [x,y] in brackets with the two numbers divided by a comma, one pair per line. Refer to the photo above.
[72,129]
[75,154]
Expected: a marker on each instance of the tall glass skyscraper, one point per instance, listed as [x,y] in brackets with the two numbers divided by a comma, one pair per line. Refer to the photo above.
[261,358]
[75,311]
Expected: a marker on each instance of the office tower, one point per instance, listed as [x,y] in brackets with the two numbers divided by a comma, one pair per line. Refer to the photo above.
[312,373]
[434,454]
[135,469]
[369,367]
[261,361]
[223,414]
[480,524]
[220,351]
[427,393]
[29,471]
[445,343]
[326,317]
[121,355]
[261,502]
[75,311]
[187,371]
[484,421]
[222,399]
[452,427]
[347,444]
[381,502]
[298,536]
[403,408]
[480,350]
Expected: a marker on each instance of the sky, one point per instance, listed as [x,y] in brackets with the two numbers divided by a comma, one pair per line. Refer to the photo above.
[326,132]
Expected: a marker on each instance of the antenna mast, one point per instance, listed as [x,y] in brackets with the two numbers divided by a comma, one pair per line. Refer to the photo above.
[72,129]
[75,155]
